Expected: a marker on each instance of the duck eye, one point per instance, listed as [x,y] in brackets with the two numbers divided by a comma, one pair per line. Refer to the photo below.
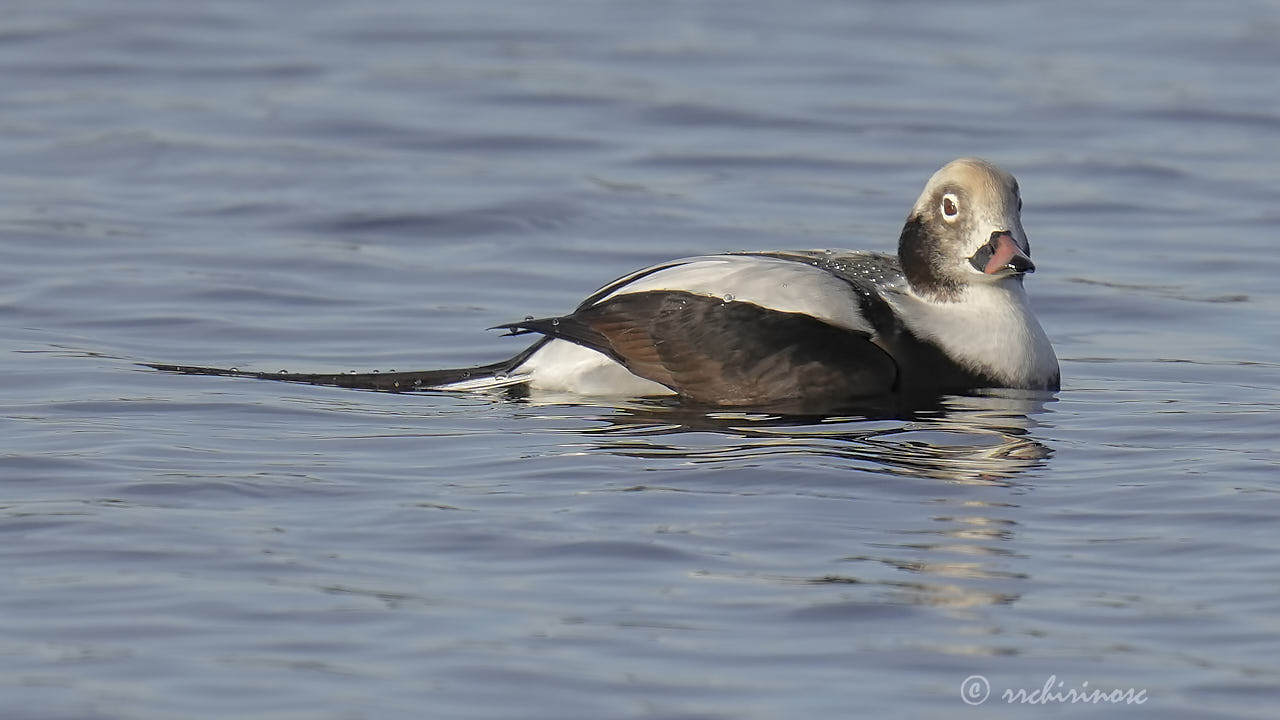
[950,207]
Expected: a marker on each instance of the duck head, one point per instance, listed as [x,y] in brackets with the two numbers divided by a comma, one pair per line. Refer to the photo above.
[965,228]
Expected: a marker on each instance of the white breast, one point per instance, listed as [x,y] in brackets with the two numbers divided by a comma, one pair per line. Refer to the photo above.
[991,329]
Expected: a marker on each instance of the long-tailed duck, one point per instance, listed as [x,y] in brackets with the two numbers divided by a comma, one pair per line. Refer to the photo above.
[797,328]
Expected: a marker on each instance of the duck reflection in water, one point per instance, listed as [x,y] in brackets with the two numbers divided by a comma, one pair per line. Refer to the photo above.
[960,553]
[982,438]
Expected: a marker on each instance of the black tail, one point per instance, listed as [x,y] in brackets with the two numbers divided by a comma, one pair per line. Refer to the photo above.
[385,382]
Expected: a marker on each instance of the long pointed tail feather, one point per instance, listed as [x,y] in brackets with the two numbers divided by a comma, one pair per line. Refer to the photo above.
[503,374]
[481,377]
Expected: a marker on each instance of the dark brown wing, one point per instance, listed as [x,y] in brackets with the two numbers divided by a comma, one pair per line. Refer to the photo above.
[727,353]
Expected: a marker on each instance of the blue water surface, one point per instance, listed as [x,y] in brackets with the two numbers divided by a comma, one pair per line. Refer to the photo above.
[325,186]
